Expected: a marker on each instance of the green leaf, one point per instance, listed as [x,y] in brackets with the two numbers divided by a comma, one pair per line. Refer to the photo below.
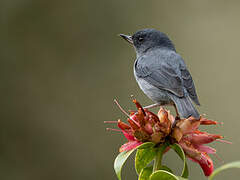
[145,173]
[122,157]
[225,166]
[146,145]
[143,158]
[177,148]
[165,168]
[163,175]
[120,160]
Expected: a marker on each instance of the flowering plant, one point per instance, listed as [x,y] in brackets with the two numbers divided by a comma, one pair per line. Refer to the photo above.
[153,135]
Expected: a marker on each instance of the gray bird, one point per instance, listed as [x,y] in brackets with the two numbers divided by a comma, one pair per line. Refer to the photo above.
[161,72]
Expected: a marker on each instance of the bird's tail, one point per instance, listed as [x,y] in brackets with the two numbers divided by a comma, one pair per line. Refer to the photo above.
[185,107]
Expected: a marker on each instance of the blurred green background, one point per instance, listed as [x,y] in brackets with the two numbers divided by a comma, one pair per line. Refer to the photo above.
[62,64]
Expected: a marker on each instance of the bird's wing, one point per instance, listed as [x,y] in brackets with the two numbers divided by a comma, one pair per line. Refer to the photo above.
[161,73]
[188,83]
[167,72]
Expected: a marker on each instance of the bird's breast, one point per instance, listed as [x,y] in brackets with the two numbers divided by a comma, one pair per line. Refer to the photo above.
[154,93]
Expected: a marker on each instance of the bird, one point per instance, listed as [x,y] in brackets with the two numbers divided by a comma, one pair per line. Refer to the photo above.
[162,74]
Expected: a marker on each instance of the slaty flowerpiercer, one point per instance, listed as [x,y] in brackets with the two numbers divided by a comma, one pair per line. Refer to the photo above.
[161,72]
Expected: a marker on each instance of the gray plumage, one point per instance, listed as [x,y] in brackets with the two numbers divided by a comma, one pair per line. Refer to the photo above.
[162,73]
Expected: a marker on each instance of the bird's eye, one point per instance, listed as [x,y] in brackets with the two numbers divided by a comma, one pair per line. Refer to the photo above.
[140,39]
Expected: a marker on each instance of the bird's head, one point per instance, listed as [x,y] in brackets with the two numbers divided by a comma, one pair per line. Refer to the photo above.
[146,39]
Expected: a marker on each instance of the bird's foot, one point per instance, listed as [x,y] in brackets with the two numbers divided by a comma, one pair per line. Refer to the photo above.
[177,119]
[152,106]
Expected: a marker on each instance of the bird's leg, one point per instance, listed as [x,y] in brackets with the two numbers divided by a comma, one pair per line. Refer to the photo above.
[152,106]
[177,118]
[177,114]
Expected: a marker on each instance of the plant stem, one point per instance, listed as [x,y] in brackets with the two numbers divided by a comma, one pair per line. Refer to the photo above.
[158,159]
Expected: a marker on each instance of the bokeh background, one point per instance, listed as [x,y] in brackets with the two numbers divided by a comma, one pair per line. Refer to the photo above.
[62,64]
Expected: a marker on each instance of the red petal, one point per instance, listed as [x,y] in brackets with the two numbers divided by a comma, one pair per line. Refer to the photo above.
[206,149]
[188,125]
[123,125]
[133,124]
[148,128]
[206,164]
[163,116]
[205,121]
[190,150]
[128,135]
[151,116]
[129,146]
[138,105]
[197,156]
[201,138]
[140,117]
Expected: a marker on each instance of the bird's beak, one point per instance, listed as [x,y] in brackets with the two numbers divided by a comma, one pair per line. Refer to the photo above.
[127,38]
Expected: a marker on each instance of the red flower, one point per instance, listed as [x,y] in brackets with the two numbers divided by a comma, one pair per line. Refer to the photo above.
[192,141]
[145,126]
